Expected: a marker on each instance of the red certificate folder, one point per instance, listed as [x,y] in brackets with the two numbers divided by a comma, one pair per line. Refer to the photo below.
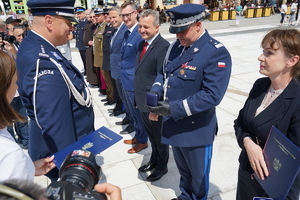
[283,161]
[95,142]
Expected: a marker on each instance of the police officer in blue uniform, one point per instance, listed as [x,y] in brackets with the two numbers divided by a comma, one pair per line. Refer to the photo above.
[82,22]
[193,82]
[57,99]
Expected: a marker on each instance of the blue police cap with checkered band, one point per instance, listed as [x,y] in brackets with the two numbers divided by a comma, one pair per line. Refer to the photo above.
[98,11]
[79,9]
[63,8]
[181,17]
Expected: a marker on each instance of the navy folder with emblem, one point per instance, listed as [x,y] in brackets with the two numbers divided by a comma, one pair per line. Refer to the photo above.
[95,142]
[151,99]
[283,161]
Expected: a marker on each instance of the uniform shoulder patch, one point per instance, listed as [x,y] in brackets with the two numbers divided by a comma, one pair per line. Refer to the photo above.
[215,43]
[42,53]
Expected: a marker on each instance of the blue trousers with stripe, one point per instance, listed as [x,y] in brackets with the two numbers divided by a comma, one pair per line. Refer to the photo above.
[193,164]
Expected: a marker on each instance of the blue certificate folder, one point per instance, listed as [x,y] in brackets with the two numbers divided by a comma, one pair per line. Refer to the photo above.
[283,162]
[95,142]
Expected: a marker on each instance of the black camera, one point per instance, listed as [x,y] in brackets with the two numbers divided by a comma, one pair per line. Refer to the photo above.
[78,175]
[9,38]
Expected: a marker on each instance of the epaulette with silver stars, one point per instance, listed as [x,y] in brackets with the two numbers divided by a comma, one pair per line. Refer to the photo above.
[42,53]
[216,44]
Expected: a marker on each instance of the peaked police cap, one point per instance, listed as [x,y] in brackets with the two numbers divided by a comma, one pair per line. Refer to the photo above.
[63,8]
[181,17]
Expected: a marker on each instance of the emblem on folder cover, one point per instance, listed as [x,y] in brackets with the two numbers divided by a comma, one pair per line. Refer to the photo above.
[87,145]
[276,164]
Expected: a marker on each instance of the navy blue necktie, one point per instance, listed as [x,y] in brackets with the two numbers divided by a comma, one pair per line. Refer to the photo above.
[126,35]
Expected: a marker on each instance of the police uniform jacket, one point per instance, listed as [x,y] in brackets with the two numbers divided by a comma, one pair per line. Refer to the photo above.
[56,118]
[194,84]
[283,113]
[128,54]
[79,34]
[115,52]
[98,44]
[109,31]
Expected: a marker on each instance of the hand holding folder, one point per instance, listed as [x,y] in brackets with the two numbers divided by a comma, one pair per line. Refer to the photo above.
[283,161]
[95,142]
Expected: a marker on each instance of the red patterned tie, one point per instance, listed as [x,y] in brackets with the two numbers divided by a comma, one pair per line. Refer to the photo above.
[144,50]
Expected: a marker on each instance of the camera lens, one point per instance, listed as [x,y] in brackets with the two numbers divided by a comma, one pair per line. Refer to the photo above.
[10,38]
[80,168]
[2,35]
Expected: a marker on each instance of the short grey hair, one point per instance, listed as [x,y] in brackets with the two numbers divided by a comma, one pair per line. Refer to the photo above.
[153,13]
[132,5]
[116,8]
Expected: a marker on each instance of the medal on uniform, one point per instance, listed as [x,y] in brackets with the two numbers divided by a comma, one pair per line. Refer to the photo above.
[181,72]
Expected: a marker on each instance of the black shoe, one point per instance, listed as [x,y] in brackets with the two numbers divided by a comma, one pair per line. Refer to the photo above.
[156,174]
[149,166]
[127,130]
[123,122]
[103,92]
[108,103]
[116,113]
[104,100]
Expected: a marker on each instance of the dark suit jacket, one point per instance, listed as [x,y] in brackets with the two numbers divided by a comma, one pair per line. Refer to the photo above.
[115,52]
[283,113]
[128,55]
[147,69]
[109,31]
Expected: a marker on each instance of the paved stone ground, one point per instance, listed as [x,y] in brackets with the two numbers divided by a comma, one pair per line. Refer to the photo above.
[120,168]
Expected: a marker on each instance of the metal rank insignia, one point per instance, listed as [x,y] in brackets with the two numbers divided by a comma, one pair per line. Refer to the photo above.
[181,72]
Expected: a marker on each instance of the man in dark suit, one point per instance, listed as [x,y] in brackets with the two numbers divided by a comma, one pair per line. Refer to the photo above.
[149,60]
[109,31]
[115,60]
[195,77]
[129,51]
